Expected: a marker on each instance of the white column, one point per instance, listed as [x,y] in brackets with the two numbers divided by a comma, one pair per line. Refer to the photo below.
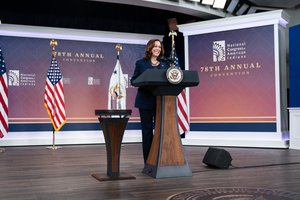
[294,128]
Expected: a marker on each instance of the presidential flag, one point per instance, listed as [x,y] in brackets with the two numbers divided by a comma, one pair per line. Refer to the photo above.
[3,98]
[182,109]
[54,96]
[117,88]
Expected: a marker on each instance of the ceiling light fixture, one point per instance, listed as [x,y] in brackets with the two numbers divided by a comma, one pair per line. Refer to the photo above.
[242,9]
[219,4]
[232,6]
[251,10]
[208,2]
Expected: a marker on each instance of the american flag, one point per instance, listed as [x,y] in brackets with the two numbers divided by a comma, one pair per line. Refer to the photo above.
[182,114]
[3,98]
[54,96]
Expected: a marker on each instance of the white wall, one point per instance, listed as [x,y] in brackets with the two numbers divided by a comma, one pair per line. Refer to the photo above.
[295,16]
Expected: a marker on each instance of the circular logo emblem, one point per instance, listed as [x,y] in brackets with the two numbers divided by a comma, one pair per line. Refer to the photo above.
[174,75]
[235,194]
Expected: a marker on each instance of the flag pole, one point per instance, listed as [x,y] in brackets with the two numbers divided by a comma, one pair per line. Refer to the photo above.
[53,147]
[53,44]
[172,34]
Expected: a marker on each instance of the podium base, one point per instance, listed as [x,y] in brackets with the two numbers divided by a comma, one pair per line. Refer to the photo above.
[104,177]
[167,171]
[53,147]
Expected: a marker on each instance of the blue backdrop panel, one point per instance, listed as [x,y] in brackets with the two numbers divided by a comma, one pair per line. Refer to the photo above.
[294,66]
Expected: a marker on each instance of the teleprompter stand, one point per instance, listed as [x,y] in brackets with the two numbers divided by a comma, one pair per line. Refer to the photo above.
[166,157]
[113,123]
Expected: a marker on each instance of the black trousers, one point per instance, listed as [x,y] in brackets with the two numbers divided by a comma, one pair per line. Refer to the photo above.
[147,123]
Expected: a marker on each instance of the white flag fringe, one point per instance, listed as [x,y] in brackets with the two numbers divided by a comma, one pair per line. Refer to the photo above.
[117,89]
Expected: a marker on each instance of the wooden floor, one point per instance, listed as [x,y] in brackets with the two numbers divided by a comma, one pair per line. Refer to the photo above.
[38,173]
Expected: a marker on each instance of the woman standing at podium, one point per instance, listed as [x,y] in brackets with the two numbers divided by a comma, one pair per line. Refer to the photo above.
[145,101]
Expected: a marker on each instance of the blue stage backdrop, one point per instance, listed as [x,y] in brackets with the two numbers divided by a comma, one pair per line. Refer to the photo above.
[294,66]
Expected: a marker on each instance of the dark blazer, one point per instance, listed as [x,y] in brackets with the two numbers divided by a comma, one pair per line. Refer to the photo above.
[144,98]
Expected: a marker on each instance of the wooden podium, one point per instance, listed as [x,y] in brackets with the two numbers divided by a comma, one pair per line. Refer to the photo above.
[166,157]
[113,123]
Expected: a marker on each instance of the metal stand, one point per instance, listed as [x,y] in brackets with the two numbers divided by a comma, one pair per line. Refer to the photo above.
[53,147]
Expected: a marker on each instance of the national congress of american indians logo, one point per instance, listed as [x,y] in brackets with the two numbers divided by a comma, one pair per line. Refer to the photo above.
[219,51]
[13,77]
[17,78]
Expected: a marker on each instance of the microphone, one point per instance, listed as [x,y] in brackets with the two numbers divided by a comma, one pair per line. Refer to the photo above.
[167,61]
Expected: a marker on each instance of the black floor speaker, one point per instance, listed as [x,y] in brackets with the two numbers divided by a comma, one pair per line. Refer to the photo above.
[217,158]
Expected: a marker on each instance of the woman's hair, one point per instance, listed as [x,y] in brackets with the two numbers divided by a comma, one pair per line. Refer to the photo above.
[149,47]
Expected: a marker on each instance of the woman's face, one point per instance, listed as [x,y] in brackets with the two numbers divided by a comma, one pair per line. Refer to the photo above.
[156,49]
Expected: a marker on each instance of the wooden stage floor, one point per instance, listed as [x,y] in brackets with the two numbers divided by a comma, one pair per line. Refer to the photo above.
[38,173]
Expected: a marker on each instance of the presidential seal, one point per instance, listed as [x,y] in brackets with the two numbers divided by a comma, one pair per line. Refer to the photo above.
[174,75]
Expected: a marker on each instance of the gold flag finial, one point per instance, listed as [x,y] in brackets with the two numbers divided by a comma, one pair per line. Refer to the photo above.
[118,48]
[172,34]
[53,44]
